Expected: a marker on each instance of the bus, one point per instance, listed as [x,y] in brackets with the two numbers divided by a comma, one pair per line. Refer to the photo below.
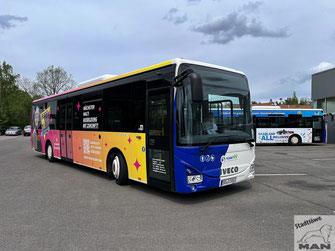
[292,126]
[153,126]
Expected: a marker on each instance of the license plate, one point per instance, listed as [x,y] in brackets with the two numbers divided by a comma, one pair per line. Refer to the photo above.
[228,181]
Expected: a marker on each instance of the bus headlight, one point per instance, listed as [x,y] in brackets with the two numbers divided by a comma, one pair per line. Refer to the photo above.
[192,179]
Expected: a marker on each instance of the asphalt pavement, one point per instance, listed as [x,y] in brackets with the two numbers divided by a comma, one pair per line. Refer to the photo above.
[63,206]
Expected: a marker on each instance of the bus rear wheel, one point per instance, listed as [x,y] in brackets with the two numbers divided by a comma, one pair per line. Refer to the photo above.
[294,140]
[50,152]
[119,169]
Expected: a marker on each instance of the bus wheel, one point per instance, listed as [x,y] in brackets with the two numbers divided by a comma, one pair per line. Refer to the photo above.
[294,140]
[50,152]
[119,169]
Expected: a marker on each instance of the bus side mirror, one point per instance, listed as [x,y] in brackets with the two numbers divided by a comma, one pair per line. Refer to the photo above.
[196,87]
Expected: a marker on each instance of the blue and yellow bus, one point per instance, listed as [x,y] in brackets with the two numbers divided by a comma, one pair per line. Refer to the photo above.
[154,126]
[292,126]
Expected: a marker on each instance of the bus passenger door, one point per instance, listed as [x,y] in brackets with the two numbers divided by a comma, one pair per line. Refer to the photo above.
[62,131]
[159,135]
[66,131]
[68,128]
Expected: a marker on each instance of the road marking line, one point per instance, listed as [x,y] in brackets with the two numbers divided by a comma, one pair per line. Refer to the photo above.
[325,159]
[281,174]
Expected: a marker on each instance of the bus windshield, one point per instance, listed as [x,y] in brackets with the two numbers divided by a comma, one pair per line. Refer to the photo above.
[224,116]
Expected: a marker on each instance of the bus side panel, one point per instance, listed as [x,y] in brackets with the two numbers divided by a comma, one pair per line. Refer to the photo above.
[132,146]
[39,141]
[282,135]
[307,135]
[137,167]
[87,149]
[91,149]
[53,136]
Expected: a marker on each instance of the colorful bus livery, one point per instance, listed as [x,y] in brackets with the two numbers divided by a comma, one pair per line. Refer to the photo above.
[293,126]
[153,126]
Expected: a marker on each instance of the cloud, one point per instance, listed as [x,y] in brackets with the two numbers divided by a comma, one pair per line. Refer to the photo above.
[236,25]
[198,1]
[251,6]
[323,66]
[6,21]
[300,82]
[300,78]
[193,1]
[172,16]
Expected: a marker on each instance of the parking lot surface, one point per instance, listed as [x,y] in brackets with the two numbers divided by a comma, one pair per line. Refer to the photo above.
[62,206]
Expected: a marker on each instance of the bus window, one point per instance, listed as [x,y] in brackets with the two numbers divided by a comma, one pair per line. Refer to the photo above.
[53,113]
[308,122]
[117,102]
[77,114]
[158,123]
[138,106]
[138,116]
[317,122]
[92,111]
[62,118]
[118,116]
[263,122]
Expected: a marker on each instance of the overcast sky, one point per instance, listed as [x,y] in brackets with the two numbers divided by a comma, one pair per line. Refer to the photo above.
[278,44]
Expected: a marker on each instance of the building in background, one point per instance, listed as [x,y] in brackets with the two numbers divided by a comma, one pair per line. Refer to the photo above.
[323,96]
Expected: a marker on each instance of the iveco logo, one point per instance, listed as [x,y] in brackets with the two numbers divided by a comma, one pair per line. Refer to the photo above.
[229,170]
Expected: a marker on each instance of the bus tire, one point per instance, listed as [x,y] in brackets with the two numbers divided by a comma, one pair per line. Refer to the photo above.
[119,169]
[294,140]
[49,152]
[109,172]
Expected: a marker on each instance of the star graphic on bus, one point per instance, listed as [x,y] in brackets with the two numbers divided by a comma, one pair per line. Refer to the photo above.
[78,106]
[137,165]
[129,140]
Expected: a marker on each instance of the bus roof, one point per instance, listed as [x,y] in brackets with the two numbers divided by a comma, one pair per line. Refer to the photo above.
[177,61]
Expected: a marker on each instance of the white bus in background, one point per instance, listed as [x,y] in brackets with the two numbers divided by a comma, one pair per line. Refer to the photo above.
[293,126]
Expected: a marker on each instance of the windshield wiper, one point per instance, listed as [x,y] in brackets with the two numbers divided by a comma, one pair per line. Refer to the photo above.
[210,142]
[249,141]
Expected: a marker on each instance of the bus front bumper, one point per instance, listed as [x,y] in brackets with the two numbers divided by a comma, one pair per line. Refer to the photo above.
[212,182]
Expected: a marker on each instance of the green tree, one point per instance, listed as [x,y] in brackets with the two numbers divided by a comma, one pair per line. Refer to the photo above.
[7,88]
[305,101]
[15,104]
[293,100]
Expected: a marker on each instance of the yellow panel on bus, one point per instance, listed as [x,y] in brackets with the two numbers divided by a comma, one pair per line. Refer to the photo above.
[92,148]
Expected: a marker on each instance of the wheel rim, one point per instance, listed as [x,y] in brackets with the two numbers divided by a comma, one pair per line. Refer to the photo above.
[294,140]
[116,167]
[49,151]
